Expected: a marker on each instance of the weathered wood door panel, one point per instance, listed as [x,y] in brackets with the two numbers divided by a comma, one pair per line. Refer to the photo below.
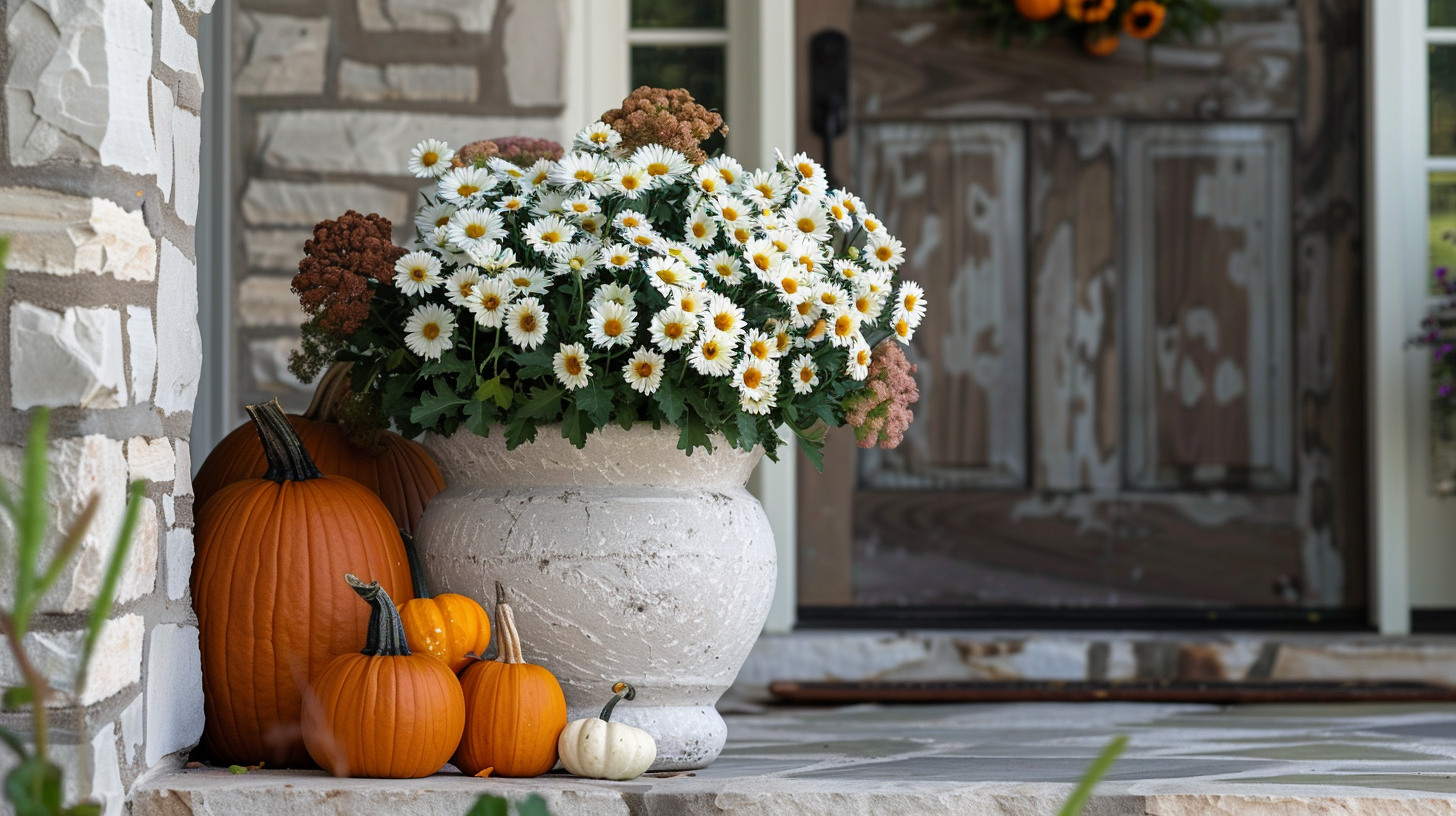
[1141,381]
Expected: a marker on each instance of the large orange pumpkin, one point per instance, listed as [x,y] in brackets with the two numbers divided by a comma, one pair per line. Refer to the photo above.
[1090,11]
[514,710]
[1038,9]
[399,470]
[384,712]
[270,607]
[448,627]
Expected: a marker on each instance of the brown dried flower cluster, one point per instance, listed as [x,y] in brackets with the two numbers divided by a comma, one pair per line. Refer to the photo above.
[475,153]
[522,151]
[333,278]
[669,118]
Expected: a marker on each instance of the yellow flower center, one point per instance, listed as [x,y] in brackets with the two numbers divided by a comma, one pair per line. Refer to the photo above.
[644,369]
[466,287]
[767,191]
[551,237]
[572,364]
[540,177]
[806,262]
[726,174]
[740,235]
[806,225]
[630,182]
[806,374]
[781,245]
[883,253]
[862,357]
[584,175]
[428,158]
[725,271]
[722,321]
[522,281]
[759,349]
[783,341]
[675,252]
[805,307]
[667,276]
[902,328]
[673,331]
[910,301]
[527,322]
[474,231]
[699,229]
[599,138]
[806,169]
[612,327]
[828,298]
[417,274]
[709,185]
[836,211]
[761,261]
[817,330]
[630,222]
[442,220]
[491,302]
[862,305]
[579,206]
[730,214]
[789,285]
[711,350]
[619,259]
[589,225]
[843,326]
[872,225]
[513,204]
[430,331]
[752,377]
[643,240]
[657,169]
[577,264]
[466,190]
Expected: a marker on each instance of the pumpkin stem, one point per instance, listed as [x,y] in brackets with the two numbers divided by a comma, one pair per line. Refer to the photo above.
[412,557]
[330,391]
[386,632]
[288,460]
[624,690]
[505,621]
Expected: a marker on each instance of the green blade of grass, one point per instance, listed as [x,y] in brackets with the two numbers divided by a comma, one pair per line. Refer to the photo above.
[30,518]
[101,610]
[1094,774]
[67,550]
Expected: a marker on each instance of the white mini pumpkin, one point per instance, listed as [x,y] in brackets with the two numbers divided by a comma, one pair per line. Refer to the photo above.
[597,748]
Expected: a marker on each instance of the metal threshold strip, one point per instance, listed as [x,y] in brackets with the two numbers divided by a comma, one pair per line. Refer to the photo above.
[1153,691]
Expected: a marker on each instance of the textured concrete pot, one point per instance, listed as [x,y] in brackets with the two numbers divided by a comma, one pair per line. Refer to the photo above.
[626,560]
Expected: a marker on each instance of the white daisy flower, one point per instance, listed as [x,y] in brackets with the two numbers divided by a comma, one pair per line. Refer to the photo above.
[868,306]
[700,230]
[511,203]
[580,258]
[813,188]
[529,281]
[904,332]
[493,257]
[806,374]
[417,273]
[430,159]
[728,169]
[804,313]
[611,324]
[630,219]
[781,238]
[831,297]
[550,235]
[806,167]
[580,205]
[643,371]
[667,274]
[619,256]
[642,237]
[663,164]
[460,287]
[846,269]
[756,377]
[428,330]
[537,174]
[597,136]
[852,202]
[680,251]
[818,332]
[707,181]
[439,238]
[506,171]
[673,328]
[765,188]
[857,365]
[872,225]
[910,303]
[582,172]
[808,255]
[725,316]
[807,218]
[884,251]
[725,268]
[629,181]
[758,405]
[434,215]
[490,300]
[712,356]
[731,210]
[571,366]
[838,211]
[789,284]
[760,344]
[779,330]
[844,329]
[459,184]
[526,322]
[549,202]
[691,301]
[613,293]
[592,224]
[762,256]
[472,227]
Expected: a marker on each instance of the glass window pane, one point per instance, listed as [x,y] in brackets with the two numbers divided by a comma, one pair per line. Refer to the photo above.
[682,14]
[1443,220]
[1442,63]
[702,69]
[1441,13]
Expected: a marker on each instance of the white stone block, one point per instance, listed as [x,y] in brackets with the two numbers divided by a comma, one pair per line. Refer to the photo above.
[427,15]
[368,82]
[163,105]
[265,300]
[306,204]
[150,459]
[65,235]
[187,165]
[376,142]
[169,509]
[183,485]
[179,562]
[275,248]
[142,339]
[279,54]
[202,6]
[116,662]
[70,359]
[133,729]
[179,342]
[534,46]
[139,577]
[178,49]
[174,708]
[270,365]
[106,787]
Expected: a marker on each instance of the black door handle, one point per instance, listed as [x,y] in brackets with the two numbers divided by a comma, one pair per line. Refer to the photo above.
[829,92]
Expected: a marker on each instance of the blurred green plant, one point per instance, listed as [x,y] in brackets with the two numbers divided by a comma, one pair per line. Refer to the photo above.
[488,805]
[1094,773]
[35,786]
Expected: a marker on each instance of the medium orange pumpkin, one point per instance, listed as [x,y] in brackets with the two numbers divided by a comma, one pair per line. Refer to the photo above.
[270,607]
[514,710]
[399,470]
[1038,9]
[1101,42]
[448,627]
[1144,19]
[383,713]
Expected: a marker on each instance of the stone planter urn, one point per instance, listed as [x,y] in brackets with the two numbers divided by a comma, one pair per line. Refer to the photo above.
[625,560]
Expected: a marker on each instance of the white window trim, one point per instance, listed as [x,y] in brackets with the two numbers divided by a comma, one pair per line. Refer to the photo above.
[760,113]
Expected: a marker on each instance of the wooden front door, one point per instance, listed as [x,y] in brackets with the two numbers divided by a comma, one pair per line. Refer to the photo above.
[1141,375]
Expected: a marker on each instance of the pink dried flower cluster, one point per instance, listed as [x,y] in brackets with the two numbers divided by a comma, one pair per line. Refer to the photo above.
[666,117]
[523,151]
[880,412]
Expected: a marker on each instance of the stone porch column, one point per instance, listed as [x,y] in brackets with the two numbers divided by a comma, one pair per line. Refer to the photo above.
[98,194]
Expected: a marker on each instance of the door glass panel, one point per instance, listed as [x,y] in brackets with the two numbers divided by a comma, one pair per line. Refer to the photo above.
[701,69]
[680,14]
[1441,13]
[1442,63]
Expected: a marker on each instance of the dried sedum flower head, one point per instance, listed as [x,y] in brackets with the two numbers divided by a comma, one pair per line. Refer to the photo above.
[880,413]
[524,151]
[475,154]
[668,118]
[339,260]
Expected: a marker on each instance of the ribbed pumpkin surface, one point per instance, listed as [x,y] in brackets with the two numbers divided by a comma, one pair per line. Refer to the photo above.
[447,627]
[514,713]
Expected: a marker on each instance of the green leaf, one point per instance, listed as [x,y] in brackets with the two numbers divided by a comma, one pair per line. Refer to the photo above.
[571,426]
[101,609]
[533,805]
[694,434]
[479,417]
[237,769]
[813,448]
[519,432]
[488,805]
[1094,774]
[494,389]
[34,787]
[83,809]
[394,360]
[442,402]
[670,400]
[14,741]
[69,546]
[544,403]
[533,363]
[17,698]
[596,400]
[30,521]
[447,364]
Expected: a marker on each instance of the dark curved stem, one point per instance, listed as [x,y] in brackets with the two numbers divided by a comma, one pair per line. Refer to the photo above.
[386,632]
[624,690]
[412,557]
[288,460]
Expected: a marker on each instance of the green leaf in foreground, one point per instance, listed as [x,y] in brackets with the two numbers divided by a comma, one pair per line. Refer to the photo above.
[490,806]
[101,610]
[1098,769]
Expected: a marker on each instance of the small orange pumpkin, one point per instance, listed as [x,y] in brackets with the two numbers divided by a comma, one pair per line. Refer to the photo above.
[398,470]
[1144,19]
[384,712]
[514,711]
[1090,11]
[1101,42]
[448,627]
[1038,9]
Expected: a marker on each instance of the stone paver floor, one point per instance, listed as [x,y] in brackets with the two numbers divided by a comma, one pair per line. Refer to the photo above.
[961,759]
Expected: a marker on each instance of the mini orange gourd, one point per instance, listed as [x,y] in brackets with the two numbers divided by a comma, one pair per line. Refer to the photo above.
[514,710]
[271,610]
[1101,42]
[448,627]
[1038,9]
[383,713]
[398,470]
